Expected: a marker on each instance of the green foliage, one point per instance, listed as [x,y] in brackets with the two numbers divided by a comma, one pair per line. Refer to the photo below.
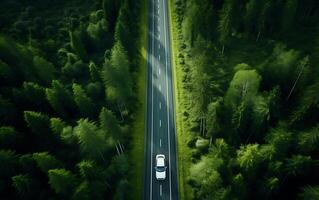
[309,141]
[77,44]
[298,165]
[116,76]
[44,69]
[249,157]
[308,103]
[9,137]
[84,103]
[310,192]
[62,181]
[281,140]
[225,23]
[60,99]
[92,140]
[243,88]
[57,125]
[45,161]
[289,14]
[23,184]
[110,124]
[9,163]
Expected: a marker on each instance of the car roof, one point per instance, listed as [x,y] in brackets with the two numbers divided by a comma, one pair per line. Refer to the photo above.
[160,162]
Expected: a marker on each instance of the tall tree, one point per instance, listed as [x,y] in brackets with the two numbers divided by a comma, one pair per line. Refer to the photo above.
[62,181]
[225,23]
[84,103]
[60,99]
[91,139]
[117,77]
[45,161]
[289,14]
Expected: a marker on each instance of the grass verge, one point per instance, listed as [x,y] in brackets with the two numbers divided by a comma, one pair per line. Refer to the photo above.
[183,150]
[137,148]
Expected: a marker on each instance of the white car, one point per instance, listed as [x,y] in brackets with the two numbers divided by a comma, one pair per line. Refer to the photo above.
[160,168]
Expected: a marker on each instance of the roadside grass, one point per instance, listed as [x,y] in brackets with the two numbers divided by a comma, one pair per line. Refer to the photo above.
[137,144]
[183,151]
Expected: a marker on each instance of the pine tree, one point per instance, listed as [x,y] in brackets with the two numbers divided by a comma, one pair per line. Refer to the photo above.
[9,137]
[77,44]
[45,161]
[309,192]
[289,14]
[110,124]
[40,127]
[60,99]
[225,23]
[91,139]
[117,77]
[45,70]
[24,185]
[84,103]
[62,181]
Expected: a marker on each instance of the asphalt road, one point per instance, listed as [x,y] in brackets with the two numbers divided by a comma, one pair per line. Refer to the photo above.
[160,122]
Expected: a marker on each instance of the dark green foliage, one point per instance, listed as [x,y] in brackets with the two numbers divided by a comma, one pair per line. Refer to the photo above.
[310,193]
[60,99]
[84,103]
[92,140]
[46,161]
[9,138]
[24,185]
[77,44]
[259,98]
[62,181]
[116,76]
[51,58]
[44,69]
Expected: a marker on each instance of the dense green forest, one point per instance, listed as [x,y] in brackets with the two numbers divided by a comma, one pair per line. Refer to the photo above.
[250,95]
[67,79]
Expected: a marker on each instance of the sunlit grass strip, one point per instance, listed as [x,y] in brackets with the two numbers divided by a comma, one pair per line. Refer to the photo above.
[182,150]
[138,131]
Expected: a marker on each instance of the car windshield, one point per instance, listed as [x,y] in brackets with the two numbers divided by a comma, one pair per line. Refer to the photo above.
[160,169]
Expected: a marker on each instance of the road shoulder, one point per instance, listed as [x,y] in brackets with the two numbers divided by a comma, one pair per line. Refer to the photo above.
[138,131]
[183,152]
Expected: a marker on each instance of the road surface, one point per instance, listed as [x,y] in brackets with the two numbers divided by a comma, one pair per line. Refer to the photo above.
[160,121]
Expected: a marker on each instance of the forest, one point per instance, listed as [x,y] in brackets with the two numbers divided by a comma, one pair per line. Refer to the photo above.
[249,78]
[68,73]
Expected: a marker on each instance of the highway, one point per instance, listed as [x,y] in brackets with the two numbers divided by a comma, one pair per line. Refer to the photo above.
[160,130]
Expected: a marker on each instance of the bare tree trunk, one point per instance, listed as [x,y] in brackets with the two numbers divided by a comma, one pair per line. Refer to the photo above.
[210,141]
[118,152]
[258,35]
[120,110]
[223,49]
[200,126]
[102,156]
[204,129]
[293,87]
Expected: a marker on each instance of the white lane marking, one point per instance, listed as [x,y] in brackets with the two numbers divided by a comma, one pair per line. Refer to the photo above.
[159,57]
[168,134]
[159,36]
[152,124]
[160,105]
[161,192]
[160,88]
[160,142]
[160,123]
[159,71]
